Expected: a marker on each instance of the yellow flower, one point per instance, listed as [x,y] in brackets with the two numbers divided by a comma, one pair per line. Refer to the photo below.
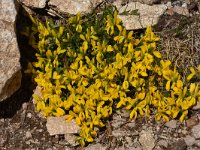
[193,73]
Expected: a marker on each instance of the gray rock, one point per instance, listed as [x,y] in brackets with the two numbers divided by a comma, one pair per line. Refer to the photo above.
[147,140]
[197,106]
[178,145]
[196,131]
[143,15]
[163,143]
[34,3]
[189,140]
[74,6]
[10,68]
[171,124]
[97,146]
[119,133]
[58,125]
[71,139]
[181,10]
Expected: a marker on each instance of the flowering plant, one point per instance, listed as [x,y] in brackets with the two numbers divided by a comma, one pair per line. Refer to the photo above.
[87,69]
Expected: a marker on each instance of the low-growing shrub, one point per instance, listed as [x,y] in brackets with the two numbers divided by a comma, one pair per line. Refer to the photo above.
[89,68]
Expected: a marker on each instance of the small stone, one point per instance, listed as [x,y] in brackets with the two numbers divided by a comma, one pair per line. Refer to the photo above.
[189,140]
[171,124]
[58,125]
[170,12]
[197,106]
[124,113]
[131,124]
[178,145]
[129,141]
[29,115]
[197,143]
[119,133]
[184,131]
[28,135]
[196,131]
[192,122]
[188,1]
[163,143]
[181,10]
[184,5]
[71,139]
[40,130]
[147,140]
[24,106]
[117,121]
[169,4]
[28,142]
[97,146]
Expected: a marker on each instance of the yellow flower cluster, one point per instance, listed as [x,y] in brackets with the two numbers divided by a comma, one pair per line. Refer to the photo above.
[85,72]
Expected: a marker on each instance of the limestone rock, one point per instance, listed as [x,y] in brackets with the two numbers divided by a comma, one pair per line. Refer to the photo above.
[196,131]
[58,125]
[10,74]
[171,124]
[143,15]
[71,139]
[97,146]
[74,6]
[34,3]
[147,140]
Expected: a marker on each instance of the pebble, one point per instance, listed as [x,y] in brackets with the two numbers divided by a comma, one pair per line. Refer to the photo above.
[129,141]
[71,139]
[178,145]
[196,131]
[189,140]
[24,106]
[117,123]
[171,124]
[29,115]
[163,143]
[97,146]
[28,135]
[119,133]
[147,140]
[192,122]
[131,124]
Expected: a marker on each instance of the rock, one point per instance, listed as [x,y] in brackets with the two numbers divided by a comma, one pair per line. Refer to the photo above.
[178,145]
[120,3]
[71,139]
[74,6]
[119,133]
[143,15]
[181,10]
[171,124]
[147,140]
[28,135]
[163,143]
[193,121]
[97,146]
[124,113]
[34,3]
[58,125]
[189,140]
[197,106]
[129,141]
[10,68]
[195,131]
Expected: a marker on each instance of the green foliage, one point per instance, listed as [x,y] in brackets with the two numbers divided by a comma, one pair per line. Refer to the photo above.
[87,69]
